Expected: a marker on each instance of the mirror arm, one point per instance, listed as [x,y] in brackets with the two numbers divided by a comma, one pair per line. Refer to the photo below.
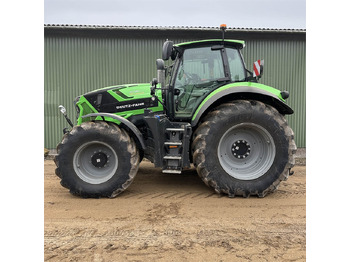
[64,112]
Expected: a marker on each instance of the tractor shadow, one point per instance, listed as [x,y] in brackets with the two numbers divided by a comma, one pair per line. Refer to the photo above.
[151,182]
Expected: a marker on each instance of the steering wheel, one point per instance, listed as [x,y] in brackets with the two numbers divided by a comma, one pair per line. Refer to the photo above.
[192,78]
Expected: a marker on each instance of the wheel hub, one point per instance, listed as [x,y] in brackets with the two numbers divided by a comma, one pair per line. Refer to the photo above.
[240,149]
[99,159]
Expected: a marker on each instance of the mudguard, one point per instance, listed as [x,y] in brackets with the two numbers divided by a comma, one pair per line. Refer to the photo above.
[126,122]
[252,90]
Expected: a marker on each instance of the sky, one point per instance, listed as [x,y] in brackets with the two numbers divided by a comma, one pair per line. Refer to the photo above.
[280,14]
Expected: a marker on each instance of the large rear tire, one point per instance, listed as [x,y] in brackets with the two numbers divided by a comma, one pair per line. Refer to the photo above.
[97,159]
[244,148]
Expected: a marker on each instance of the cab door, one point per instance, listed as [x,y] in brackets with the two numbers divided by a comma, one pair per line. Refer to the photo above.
[199,72]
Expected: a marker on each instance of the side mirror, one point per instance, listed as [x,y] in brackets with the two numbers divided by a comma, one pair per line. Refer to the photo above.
[167,49]
[258,67]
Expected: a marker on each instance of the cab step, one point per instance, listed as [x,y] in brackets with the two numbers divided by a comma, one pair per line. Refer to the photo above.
[173,143]
[171,171]
[172,157]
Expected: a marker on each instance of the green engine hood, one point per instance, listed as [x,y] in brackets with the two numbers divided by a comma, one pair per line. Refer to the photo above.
[123,100]
[125,92]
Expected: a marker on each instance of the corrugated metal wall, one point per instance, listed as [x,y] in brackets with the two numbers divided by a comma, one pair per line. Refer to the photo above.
[77,63]
[284,69]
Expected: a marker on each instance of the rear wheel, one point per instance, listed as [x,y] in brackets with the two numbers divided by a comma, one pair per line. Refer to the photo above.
[97,159]
[244,148]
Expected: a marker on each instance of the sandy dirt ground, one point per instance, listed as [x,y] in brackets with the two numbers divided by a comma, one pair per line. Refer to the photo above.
[175,218]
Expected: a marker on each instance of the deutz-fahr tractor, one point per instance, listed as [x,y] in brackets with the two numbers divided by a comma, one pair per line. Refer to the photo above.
[205,108]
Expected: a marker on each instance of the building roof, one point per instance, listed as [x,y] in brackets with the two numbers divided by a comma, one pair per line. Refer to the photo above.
[187,28]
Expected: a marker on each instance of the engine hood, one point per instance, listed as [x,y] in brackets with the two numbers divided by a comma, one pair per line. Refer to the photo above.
[124,91]
[121,98]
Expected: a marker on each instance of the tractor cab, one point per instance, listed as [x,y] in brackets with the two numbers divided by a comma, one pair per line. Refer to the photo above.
[199,68]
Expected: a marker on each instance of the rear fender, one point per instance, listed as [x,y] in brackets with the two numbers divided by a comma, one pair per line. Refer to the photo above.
[256,92]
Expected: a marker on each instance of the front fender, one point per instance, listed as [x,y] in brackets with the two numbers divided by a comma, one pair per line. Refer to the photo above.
[136,132]
[243,90]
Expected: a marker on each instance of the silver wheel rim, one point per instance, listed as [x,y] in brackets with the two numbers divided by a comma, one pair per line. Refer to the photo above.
[246,151]
[95,162]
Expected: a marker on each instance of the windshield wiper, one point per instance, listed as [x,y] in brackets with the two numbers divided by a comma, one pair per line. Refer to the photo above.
[224,79]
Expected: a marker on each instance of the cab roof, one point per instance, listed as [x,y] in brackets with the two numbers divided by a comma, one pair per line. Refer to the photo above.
[229,42]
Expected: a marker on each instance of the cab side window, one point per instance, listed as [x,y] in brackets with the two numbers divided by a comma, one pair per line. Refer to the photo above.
[236,64]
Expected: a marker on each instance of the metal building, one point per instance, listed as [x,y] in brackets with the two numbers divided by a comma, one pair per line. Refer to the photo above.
[79,59]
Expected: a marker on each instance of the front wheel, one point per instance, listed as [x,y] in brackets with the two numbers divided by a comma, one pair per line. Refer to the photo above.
[97,159]
[244,148]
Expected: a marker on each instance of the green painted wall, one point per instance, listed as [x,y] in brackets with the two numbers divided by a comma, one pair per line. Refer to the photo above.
[78,60]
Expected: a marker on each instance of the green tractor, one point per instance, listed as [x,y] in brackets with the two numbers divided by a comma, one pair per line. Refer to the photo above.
[206,108]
